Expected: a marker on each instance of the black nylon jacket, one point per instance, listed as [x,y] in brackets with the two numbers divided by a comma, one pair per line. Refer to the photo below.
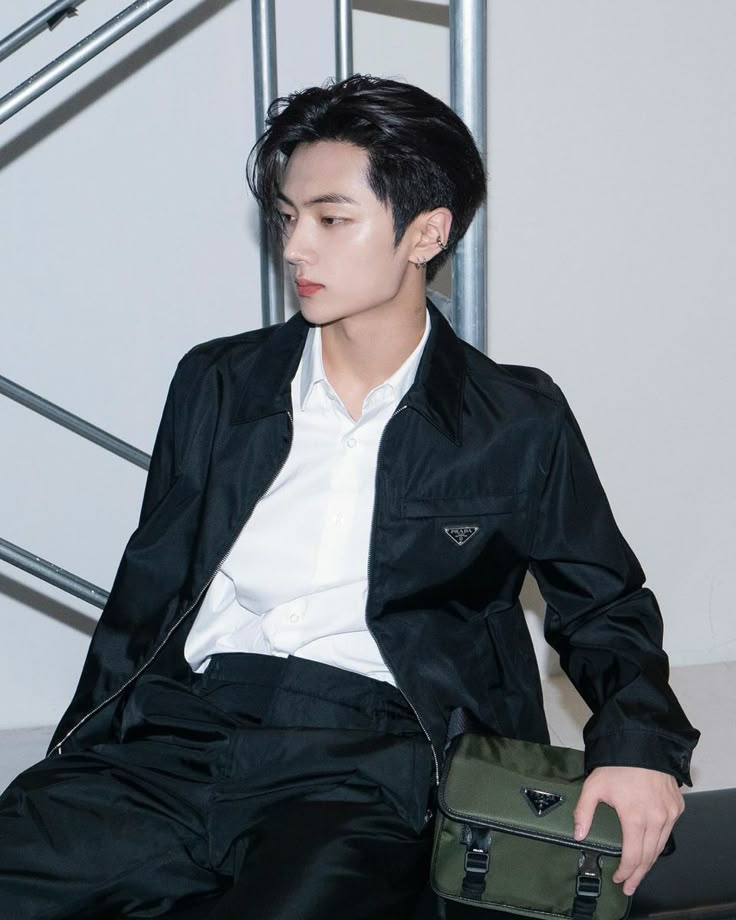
[472,444]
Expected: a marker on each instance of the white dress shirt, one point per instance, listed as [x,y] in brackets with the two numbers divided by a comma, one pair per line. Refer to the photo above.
[296,580]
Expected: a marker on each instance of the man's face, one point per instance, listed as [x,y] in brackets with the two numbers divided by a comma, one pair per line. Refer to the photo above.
[344,243]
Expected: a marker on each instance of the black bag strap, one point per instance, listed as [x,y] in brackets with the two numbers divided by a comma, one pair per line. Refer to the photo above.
[583,908]
[477,842]
[587,886]
[461,722]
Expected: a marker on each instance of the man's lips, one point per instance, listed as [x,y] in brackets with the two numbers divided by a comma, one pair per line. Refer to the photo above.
[307,288]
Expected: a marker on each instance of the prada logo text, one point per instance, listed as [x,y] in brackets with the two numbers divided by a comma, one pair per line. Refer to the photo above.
[541,802]
[462,533]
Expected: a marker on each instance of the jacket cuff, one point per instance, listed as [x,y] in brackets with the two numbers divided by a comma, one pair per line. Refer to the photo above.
[641,748]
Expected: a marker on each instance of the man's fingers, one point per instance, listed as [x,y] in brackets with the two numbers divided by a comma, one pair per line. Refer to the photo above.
[663,837]
[648,856]
[584,811]
[648,842]
[631,852]
[675,810]
[647,803]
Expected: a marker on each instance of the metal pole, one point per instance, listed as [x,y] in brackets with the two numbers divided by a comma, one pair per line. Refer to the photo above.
[52,574]
[46,19]
[468,48]
[343,38]
[73,423]
[75,57]
[264,66]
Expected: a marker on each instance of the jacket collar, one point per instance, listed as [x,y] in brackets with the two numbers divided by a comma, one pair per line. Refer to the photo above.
[437,391]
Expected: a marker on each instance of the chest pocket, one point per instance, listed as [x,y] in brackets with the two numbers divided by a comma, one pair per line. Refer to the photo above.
[460,508]
[460,551]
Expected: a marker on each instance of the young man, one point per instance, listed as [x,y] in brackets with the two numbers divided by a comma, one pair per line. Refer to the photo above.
[338,518]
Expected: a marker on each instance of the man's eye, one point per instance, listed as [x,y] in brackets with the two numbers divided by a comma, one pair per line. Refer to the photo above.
[286,223]
[332,221]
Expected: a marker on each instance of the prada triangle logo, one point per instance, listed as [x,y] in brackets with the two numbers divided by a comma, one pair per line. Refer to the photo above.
[461,535]
[541,803]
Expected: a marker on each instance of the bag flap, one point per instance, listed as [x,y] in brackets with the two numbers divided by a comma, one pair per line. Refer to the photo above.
[522,788]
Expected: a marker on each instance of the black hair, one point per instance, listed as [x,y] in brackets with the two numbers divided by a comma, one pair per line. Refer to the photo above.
[421,155]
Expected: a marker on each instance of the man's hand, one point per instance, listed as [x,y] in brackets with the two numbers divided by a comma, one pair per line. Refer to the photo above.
[647,802]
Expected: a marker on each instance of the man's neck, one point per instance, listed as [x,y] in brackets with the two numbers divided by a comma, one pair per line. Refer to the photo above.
[362,351]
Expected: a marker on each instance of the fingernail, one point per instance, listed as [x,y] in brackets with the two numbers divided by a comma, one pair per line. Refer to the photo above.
[578,832]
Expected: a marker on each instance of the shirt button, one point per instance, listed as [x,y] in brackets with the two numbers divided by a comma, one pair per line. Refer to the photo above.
[295,618]
[351,442]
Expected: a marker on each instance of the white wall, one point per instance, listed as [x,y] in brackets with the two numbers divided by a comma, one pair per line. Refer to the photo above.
[127,238]
[612,146]
[128,235]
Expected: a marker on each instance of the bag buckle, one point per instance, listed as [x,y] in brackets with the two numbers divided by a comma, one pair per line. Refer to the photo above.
[477,861]
[588,883]
[477,841]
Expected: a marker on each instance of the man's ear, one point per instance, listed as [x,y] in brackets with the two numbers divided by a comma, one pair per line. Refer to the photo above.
[432,229]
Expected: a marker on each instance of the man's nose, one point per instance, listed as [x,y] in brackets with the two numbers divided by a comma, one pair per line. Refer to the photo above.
[298,247]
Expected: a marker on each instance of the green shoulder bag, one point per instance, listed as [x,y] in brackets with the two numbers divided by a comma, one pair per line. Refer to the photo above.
[504,833]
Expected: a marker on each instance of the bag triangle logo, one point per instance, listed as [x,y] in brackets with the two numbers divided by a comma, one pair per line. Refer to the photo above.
[461,535]
[541,803]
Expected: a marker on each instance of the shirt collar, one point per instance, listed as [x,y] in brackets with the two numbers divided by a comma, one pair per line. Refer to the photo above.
[311,370]
[436,394]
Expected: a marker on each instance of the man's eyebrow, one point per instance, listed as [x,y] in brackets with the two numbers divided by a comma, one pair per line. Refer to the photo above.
[329,198]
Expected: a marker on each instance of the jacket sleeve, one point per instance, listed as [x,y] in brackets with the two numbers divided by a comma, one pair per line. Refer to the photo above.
[99,676]
[165,460]
[602,621]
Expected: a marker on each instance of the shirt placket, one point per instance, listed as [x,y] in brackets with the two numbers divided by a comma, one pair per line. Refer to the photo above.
[340,505]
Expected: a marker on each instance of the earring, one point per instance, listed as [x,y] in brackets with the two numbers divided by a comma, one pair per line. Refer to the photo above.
[443,246]
[420,264]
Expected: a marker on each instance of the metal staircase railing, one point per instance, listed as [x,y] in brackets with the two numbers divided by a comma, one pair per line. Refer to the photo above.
[10,104]
[29,562]
[73,423]
[53,574]
[467,309]
[78,55]
[49,18]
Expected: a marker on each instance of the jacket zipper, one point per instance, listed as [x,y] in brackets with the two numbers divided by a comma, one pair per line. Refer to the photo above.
[186,613]
[368,576]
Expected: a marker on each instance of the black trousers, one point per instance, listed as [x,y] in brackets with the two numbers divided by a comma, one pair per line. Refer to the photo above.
[307,784]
